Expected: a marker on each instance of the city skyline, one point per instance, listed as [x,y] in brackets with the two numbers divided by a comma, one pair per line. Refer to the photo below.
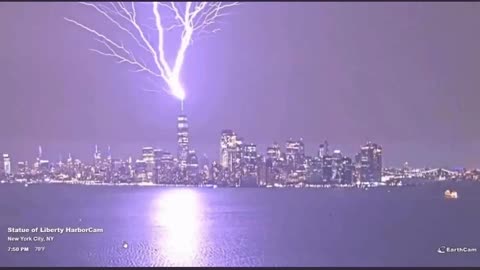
[184,148]
[239,164]
[84,152]
[183,145]
[332,71]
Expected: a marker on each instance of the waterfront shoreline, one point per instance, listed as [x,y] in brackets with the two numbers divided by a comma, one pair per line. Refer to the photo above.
[277,186]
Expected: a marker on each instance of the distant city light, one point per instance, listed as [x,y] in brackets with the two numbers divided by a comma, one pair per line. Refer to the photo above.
[240,163]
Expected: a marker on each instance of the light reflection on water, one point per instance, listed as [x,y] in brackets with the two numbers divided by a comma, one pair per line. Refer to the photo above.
[246,227]
[177,213]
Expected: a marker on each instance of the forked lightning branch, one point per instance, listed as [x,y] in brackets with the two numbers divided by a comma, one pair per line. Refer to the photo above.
[192,18]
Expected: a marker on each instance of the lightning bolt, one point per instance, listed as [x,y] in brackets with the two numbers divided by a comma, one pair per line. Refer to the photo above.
[192,17]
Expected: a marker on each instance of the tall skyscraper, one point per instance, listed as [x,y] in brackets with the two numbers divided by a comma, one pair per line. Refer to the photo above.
[97,156]
[250,155]
[7,166]
[228,149]
[327,168]
[182,140]
[346,171]
[239,151]
[109,154]
[295,153]
[250,164]
[69,160]
[337,159]
[40,153]
[22,167]
[141,170]
[148,154]
[273,163]
[274,152]
[148,157]
[316,170]
[164,163]
[264,170]
[192,167]
[323,150]
[44,166]
[369,163]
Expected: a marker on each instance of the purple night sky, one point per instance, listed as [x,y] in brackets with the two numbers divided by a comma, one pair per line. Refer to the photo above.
[404,75]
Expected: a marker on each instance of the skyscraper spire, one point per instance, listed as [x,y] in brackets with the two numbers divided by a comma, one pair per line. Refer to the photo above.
[97,156]
[40,152]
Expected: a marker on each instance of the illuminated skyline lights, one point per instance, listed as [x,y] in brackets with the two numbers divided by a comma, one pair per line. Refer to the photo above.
[191,17]
[369,162]
[7,167]
[228,148]
[240,164]
[249,167]
[182,140]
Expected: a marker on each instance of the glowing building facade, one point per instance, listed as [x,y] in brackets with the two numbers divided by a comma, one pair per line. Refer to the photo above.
[295,153]
[22,167]
[323,150]
[337,159]
[182,140]
[251,158]
[346,171]
[192,167]
[7,165]
[369,163]
[327,168]
[228,149]
[44,167]
[274,152]
[164,163]
[141,170]
[250,165]
[97,155]
[148,157]
[239,151]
